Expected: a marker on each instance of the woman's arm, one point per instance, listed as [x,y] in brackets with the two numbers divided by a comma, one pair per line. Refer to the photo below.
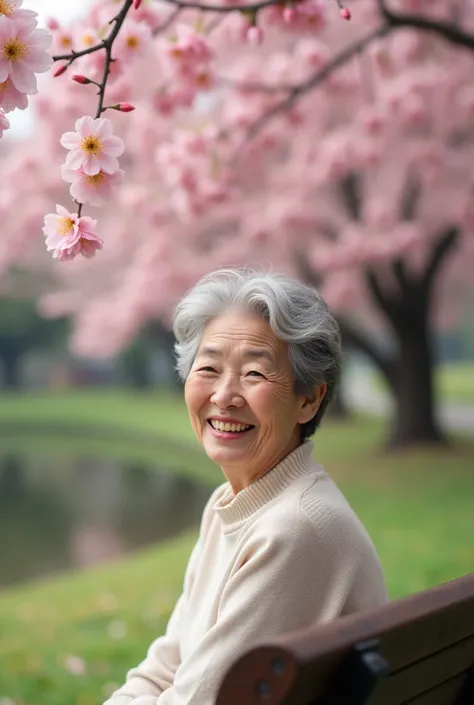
[283,582]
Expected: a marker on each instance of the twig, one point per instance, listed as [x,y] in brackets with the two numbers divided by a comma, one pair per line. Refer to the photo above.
[299,90]
[255,7]
[449,31]
[168,22]
[118,21]
[254,87]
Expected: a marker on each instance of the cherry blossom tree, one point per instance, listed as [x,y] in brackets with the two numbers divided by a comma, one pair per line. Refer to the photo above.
[272,134]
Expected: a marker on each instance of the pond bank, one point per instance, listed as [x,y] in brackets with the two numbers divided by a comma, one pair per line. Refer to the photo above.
[73,638]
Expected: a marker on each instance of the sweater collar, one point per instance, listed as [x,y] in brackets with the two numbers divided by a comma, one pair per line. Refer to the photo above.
[232,509]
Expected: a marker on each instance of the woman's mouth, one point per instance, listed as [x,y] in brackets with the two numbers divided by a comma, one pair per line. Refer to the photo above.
[228,427]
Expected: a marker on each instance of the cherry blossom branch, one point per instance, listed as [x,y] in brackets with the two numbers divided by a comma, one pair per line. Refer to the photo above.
[353,336]
[167,23]
[104,44]
[297,91]
[446,242]
[119,20]
[254,87]
[254,7]
[449,31]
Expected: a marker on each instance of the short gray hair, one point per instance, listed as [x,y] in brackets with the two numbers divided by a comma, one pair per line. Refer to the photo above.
[295,312]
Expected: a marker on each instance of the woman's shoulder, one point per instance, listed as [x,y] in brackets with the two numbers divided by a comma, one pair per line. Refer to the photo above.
[313,507]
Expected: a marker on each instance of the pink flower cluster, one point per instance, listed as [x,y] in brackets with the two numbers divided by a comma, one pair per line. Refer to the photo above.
[22,55]
[92,169]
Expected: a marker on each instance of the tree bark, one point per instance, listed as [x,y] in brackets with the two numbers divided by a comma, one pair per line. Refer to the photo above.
[414,420]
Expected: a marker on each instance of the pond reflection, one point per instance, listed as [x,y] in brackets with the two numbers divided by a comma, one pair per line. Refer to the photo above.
[58,514]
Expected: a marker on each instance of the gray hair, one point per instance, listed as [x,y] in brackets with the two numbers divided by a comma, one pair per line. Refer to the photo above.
[295,312]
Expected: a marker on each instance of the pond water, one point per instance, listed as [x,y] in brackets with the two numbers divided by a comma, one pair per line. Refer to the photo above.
[69,513]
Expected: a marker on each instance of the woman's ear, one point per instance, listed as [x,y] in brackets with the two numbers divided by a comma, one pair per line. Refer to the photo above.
[311,403]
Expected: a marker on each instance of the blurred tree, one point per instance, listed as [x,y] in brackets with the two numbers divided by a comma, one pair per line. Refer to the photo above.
[23,330]
[363,187]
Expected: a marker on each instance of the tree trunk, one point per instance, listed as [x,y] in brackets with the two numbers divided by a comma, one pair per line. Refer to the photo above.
[414,417]
[11,372]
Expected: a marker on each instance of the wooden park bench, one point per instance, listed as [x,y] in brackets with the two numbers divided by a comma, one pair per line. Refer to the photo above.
[414,651]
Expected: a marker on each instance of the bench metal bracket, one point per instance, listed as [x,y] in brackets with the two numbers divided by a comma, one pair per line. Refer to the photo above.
[466,697]
[358,675]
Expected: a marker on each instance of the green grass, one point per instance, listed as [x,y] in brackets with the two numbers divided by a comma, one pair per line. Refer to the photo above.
[454,383]
[417,506]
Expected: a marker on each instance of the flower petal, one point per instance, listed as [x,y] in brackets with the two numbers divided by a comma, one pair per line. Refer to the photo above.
[114,146]
[62,212]
[74,159]
[91,165]
[103,128]
[38,61]
[40,38]
[84,126]
[70,140]
[109,164]
[22,77]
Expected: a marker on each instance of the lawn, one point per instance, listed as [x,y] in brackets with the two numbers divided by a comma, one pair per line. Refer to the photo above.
[73,638]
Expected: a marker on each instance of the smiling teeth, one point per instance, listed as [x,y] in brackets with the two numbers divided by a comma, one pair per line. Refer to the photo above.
[233,427]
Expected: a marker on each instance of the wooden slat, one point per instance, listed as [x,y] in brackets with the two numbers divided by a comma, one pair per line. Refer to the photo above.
[445,694]
[423,675]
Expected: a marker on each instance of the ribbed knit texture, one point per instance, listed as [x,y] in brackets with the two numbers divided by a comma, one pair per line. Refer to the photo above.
[281,554]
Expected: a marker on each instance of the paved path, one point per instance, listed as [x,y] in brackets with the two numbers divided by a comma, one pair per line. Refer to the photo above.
[361,395]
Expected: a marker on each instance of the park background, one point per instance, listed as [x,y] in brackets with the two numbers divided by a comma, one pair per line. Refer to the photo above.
[102,483]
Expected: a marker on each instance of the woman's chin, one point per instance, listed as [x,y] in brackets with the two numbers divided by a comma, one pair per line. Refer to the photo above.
[222,452]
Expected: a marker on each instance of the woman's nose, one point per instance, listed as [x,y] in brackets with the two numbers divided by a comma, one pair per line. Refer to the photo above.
[227,393]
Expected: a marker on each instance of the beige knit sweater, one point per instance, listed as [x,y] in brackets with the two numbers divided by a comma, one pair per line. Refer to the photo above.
[282,553]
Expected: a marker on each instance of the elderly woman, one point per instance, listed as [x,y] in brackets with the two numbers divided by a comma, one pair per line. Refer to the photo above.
[279,546]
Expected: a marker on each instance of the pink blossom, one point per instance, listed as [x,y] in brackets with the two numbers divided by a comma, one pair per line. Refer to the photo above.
[95,189]
[134,40]
[68,235]
[4,123]
[23,53]
[92,147]
[10,9]
[254,35]
[63,41]
[11,98]
[86,38]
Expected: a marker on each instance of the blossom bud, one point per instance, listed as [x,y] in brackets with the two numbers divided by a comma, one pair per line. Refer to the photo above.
[136,4]
[79,78]
[123,107]
[52,24]
[60,70]
[289,14]
[345,13]
[254,35]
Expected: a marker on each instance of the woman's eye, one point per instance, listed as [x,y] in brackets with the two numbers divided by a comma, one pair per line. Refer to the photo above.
[255,372]
[207,368]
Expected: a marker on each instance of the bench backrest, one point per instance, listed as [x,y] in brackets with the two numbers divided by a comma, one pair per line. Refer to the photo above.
[414,651]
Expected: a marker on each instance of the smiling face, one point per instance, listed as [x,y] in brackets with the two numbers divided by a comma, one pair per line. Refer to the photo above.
[241,399]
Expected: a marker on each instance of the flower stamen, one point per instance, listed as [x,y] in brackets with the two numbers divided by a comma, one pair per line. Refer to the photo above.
[91,145]
[96,179]
[6,8]
[65,225]
[15,50]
